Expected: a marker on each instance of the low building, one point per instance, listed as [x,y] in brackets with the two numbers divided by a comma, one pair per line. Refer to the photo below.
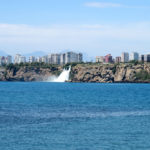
[100,59]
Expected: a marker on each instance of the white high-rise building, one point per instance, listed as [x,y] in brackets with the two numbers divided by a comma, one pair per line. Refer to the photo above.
[8,59]
[22,59]
[62,59]
[71,57]
[17,57]
[32,59]
[55,58]
[39,59]
[134,56]
[125,57]
[44,59]
[49,58]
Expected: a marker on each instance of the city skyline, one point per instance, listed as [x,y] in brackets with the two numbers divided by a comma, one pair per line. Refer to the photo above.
[72,57]
[91,27]
[43,53]
[53,58]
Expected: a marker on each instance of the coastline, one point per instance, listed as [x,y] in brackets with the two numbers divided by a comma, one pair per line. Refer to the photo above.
[80,73]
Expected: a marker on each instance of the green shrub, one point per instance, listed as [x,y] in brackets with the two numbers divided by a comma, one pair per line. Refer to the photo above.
[135,62]
[114,68]
[30,65]
[142,75]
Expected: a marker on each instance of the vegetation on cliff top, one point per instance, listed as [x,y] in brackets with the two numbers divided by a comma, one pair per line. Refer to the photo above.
[33,66]
[143,75]
[30,65]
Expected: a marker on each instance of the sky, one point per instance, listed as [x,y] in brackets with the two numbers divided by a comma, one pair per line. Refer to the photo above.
[93,27]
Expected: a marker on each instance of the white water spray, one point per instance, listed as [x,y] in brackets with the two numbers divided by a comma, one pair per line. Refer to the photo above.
[64,76]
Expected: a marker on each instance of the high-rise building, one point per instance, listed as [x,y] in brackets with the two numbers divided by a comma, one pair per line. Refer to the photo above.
[49,59]
[59,59]
[32,59]
[118,59]
[55,58]
[108,58]
[80,57]
[71,57]
[39,59]
[2,60]
[147,58]
[8,59]
[44,59]
[141,58]
[62,59]
[125,57]
[16,60]
[65,58]
[22,59]
[134,56]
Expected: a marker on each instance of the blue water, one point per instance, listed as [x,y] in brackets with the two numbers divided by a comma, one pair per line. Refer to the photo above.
[74,116]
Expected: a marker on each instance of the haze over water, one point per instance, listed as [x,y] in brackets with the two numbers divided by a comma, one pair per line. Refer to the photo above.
[65,116]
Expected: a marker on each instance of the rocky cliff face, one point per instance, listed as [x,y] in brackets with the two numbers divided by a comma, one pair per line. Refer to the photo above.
[109,73]
[28,73]
[102,73]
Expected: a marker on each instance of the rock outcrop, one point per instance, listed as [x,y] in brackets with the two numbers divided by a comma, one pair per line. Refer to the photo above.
[28,73]
[101,73]
[109,73]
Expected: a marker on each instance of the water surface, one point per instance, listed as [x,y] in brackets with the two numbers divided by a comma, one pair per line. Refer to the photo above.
[74,116]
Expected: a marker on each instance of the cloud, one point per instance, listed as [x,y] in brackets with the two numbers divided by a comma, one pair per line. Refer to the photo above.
[94,39]
[102,5]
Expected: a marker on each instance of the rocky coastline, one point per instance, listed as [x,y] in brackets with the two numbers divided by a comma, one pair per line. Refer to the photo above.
[95,73]
[28,74]
[111,73]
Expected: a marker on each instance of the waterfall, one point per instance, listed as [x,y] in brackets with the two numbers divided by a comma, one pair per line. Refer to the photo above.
[64,76]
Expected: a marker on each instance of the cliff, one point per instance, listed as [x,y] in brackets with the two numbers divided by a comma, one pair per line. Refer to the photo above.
[101,73]
[109,73]
[28,73]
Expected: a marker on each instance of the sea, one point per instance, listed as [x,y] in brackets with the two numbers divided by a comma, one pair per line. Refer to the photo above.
[74,116]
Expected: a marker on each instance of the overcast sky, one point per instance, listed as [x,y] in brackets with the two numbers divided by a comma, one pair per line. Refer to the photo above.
[92,27]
